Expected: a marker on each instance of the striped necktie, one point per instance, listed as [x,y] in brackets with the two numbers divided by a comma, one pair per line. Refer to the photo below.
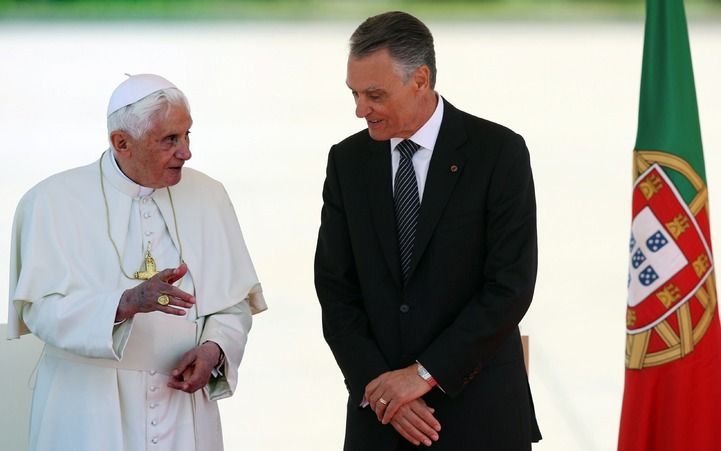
[407,203]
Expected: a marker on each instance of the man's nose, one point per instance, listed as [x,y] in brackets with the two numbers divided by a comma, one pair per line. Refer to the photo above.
[183,151]
[361,108]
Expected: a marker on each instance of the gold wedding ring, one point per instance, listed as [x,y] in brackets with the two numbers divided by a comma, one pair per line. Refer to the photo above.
[383,401]
[163,299]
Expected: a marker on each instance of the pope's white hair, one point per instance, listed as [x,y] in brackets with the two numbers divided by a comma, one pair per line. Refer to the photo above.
[137,117]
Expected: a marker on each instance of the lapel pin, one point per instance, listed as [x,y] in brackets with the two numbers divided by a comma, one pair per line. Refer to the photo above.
[454,168]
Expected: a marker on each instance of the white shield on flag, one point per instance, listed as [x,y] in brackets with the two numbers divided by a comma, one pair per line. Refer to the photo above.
[655,257]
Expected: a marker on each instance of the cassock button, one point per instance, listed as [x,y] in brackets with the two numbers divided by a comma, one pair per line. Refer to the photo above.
[153,405]
[153,388]
[404,308]
[155,440]
[152,372]
[154,422]
[146,215]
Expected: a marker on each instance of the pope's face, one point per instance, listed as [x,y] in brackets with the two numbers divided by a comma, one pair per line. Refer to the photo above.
[156,159]
[390,106]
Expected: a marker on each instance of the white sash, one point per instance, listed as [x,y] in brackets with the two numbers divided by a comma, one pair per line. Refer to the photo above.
[157,342]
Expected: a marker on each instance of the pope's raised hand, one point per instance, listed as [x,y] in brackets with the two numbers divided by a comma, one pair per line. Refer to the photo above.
[143,298]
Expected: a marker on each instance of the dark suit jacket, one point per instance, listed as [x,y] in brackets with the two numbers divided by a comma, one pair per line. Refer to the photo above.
[471,281]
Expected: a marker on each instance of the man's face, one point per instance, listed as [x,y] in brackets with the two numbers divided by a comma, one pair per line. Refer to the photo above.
[156,159]
[389,106]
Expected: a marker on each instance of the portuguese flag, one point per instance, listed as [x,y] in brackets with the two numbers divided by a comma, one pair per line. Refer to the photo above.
[672,393]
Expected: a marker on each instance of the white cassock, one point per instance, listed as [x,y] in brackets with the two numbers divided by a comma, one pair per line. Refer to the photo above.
[102,385]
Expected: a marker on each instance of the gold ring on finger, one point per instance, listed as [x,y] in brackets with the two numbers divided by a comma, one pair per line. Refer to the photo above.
[163,299]
[383,401]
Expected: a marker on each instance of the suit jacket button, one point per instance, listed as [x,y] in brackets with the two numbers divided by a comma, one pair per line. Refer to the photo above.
[405,308]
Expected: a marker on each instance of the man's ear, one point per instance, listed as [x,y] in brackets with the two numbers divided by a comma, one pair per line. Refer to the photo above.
[422,78]
[120,141]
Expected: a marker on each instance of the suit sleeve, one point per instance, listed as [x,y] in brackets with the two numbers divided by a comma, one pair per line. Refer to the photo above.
[345,323]
[510,265]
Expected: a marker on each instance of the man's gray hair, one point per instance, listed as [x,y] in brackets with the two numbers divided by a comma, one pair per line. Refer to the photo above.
[137,118]
[408,41]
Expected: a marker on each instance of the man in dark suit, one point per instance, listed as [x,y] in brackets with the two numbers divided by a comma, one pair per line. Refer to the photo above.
[426,258]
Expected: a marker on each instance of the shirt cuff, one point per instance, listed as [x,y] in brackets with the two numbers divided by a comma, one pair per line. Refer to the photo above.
[217,371]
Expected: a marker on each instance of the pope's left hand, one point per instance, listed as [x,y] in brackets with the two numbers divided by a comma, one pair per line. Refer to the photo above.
[396,388]
[195,367]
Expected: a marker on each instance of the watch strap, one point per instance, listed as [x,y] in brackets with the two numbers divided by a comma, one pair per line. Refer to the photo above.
[425,375]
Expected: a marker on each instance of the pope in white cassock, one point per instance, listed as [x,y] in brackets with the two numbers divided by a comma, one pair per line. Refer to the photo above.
[134,272]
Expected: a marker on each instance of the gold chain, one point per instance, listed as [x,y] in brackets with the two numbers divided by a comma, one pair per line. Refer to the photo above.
[107,218]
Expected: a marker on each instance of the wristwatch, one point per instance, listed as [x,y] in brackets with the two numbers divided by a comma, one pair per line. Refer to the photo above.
[425,375]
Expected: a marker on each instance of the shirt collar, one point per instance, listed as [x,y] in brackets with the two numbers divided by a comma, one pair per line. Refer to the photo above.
[116,177]
[427,135]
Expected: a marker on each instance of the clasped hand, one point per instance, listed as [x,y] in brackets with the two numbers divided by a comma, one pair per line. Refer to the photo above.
[402,405]
[195,367]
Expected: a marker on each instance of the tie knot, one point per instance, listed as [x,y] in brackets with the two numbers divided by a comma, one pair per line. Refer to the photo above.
[407,148]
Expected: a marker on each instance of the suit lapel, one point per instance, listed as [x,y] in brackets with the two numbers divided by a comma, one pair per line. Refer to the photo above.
[445,168]
[380,196]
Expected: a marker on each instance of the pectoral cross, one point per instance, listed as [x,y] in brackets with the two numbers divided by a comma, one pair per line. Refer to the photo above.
[150,270]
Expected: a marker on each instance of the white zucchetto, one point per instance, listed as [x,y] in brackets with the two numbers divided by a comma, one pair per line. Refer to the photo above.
[135,88]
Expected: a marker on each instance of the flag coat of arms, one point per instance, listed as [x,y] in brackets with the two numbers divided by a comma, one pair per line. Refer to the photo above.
[672,390]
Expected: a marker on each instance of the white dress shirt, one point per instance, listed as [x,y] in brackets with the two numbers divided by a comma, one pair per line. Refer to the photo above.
[425,137]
